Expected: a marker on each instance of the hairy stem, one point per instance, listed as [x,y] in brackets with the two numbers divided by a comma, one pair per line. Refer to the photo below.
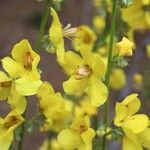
[107,76]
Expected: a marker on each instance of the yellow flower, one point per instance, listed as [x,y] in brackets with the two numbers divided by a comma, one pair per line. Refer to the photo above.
[56,34]
[86,72]
[131,123]
[117,79]
[85,108]
[85,38]
[52,144]
[137,20]
[8,91]
[137,81]
[52,106]
[125,47]
[78,136]
[99,23]
[23,68]
[7,126]
[148,51]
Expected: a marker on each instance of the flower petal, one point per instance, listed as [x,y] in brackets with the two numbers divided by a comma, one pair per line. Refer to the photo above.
[5,141]
[144,138]
[121,112]
[136,123]
[128,144]
[74,86]
[72,60]
[88,137]
[98,66]
[97,91]
[133,104]
[28,85]
[14,69]
[56,36]
[69,139]
[17,102]
[87,56]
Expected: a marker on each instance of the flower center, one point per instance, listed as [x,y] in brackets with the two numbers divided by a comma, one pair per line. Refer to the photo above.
[11,121]
[83,72]
[87,38]
[83,128]
[5,84]
[28,60]
[69,32]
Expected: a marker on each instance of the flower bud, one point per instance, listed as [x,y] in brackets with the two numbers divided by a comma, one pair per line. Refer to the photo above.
[124,3]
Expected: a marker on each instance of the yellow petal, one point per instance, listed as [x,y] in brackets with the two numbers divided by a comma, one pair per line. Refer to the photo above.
[136,123]
[88,137]
[4,92]
[87,56]
[74,86]
[128,144]
[56,36]
[98,66]
[69,139]
[28,85]
[20,106]
[45,89]
[72,60]
[144,138]
[13,68]
[97,91]
[55,29]
[121,112]
[17,102]
[132,103]
[6,140]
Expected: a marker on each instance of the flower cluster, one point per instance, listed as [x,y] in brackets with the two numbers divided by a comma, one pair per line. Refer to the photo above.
[72,118]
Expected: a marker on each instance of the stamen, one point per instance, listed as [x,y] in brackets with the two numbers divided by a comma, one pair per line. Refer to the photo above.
[83,72]
[28,60]
[69,32]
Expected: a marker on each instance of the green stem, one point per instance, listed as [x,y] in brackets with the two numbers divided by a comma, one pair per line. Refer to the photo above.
[20,144]
[107,76]
[42,25]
